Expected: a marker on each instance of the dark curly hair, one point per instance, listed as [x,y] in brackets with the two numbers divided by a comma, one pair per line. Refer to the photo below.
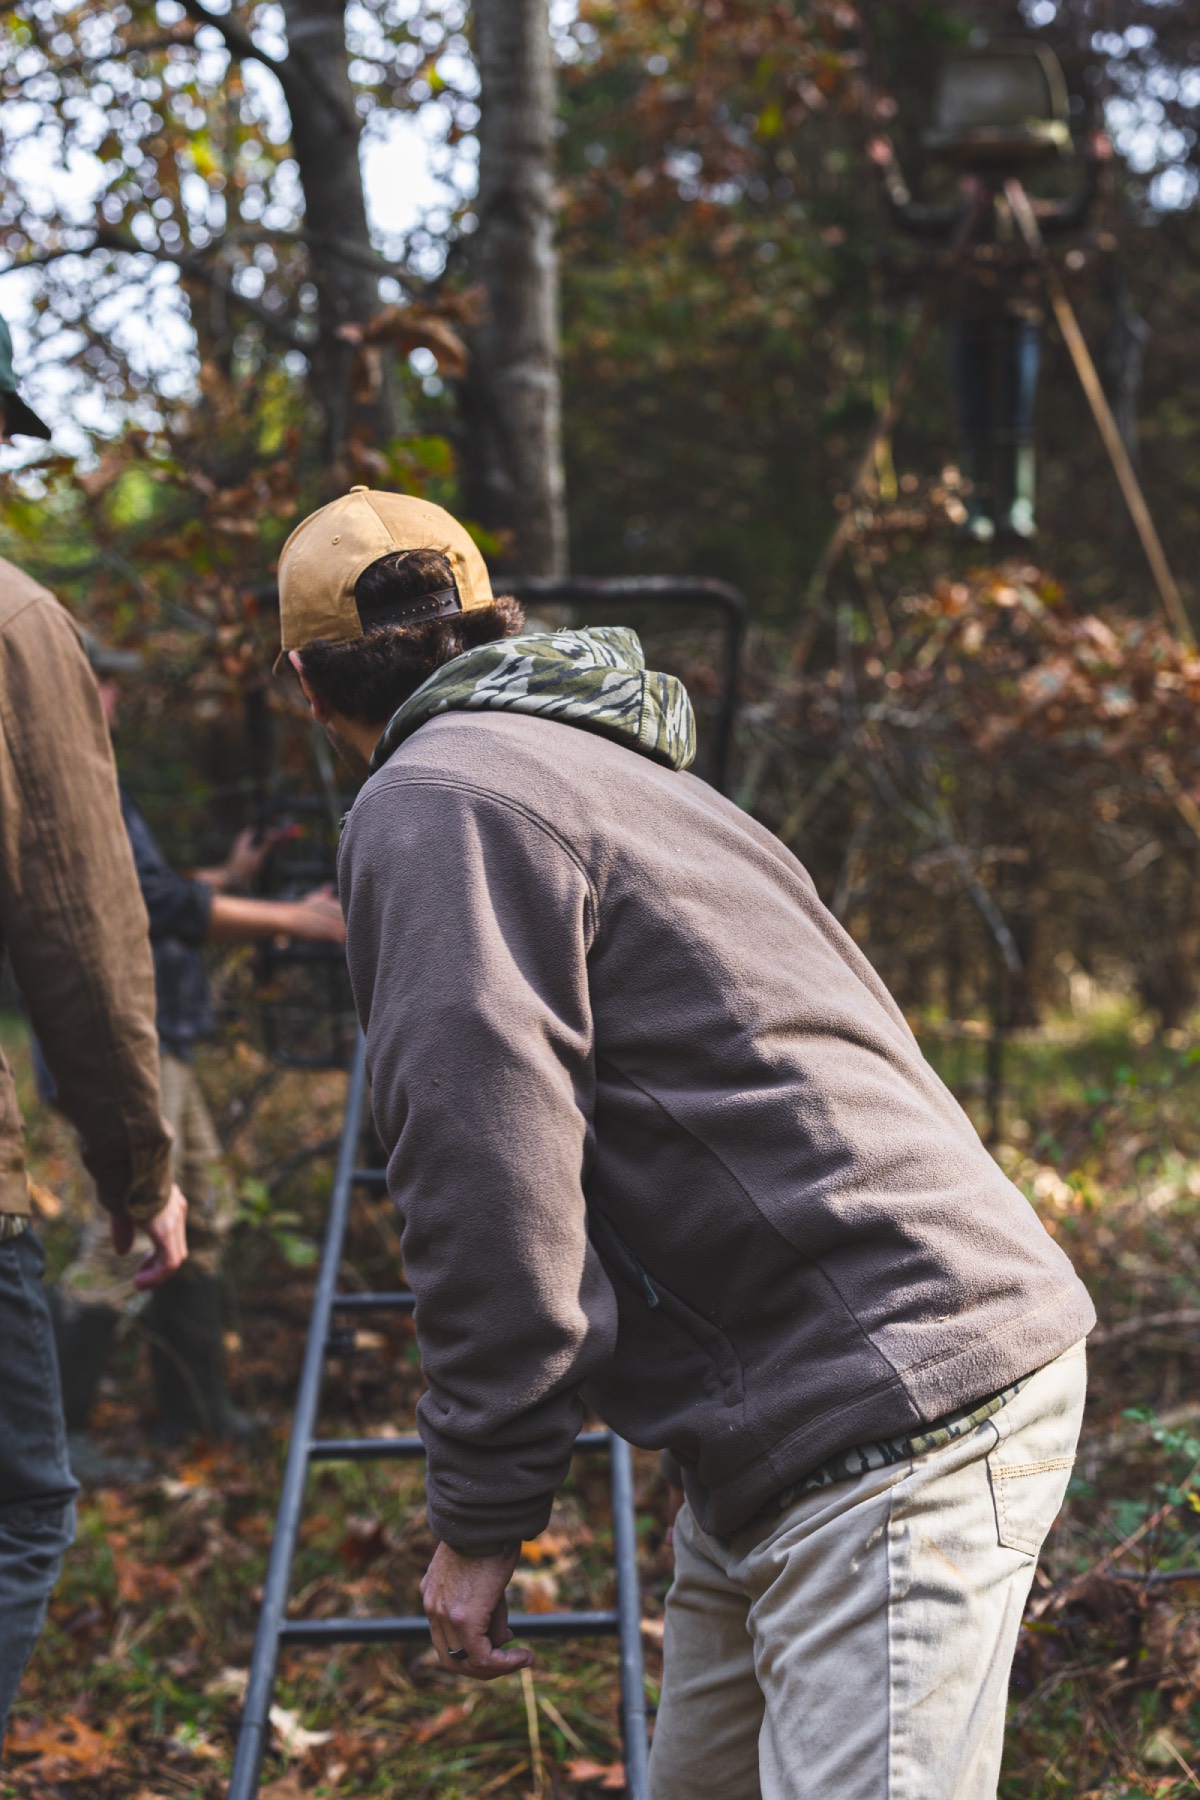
[367,678]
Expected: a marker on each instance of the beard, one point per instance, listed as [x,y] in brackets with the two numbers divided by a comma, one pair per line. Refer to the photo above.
[342,748]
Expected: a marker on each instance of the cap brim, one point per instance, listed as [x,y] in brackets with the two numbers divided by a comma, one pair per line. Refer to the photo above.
[21,420]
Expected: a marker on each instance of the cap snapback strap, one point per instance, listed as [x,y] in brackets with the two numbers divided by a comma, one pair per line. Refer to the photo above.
[442,605]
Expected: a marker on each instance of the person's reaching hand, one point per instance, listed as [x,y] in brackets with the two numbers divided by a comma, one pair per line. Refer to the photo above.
[317,918]
[247,854]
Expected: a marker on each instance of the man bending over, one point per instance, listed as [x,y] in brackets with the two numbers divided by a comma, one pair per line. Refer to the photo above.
[663,1146]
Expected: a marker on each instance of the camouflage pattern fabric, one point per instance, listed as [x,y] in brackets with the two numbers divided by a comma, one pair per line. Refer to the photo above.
[595,678]
[848,1464]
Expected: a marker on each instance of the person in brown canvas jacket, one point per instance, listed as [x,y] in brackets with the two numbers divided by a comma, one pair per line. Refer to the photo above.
[94,1299]
[73,923]
[664,1147]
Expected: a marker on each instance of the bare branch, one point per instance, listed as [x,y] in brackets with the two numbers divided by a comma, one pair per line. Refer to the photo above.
[1187,1319]
[186,262]
[181,39]
[297,74]
[43,258]
[238,41]
[346,248]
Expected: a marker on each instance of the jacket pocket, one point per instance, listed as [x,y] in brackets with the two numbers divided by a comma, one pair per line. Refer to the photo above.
[659,1300]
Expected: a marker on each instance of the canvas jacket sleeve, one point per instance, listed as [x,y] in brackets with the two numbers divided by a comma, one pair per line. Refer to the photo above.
[71,914]
[468,926]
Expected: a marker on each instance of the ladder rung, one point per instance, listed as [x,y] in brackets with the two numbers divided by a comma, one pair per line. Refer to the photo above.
[372,1178]
[374,1302]
[415,1628]
[348,1449]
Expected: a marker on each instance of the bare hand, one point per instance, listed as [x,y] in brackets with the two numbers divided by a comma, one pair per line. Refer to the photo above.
[247,854]
[317,918]
[167,1232]
[880,151]
[464,1602]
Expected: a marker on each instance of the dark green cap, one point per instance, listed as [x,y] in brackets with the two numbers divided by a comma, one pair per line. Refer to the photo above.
[19,420]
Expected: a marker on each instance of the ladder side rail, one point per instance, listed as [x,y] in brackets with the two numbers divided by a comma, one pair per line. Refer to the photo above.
[252,1733]
[629,1616]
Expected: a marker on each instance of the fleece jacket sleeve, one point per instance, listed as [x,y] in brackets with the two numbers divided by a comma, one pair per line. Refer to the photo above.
[468,925]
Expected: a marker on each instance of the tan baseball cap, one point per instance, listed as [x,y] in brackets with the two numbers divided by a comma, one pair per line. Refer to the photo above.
[324,557]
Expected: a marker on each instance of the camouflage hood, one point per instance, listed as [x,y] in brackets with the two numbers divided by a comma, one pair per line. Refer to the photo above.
[596,679]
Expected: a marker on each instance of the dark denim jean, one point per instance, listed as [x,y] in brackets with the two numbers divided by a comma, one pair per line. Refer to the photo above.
[37,1489]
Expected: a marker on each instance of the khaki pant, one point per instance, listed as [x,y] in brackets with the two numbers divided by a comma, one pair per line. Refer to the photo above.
[858,1646]
[99,1276]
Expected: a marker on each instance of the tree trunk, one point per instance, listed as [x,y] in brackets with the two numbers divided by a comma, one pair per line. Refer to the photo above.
[353,388]
[511,404]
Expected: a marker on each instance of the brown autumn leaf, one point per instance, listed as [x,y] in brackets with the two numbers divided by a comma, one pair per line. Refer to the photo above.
[63,1751]
[364,1542]
[468,306]
[408,328]
[367,461]
[286,1788]
[547,1548]
[138,1581]
[110,468]
[443,1721]
[609,1775]
[538,1590]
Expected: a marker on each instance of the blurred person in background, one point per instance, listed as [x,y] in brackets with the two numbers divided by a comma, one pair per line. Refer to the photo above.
[995,326]
[182,1320]
[73,923]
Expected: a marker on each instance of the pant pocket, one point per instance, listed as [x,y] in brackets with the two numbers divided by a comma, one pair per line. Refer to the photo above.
[1027,1496]
[1031,1464]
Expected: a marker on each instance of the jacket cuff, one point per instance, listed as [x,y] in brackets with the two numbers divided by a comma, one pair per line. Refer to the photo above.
[491,1531]
[498,1547]
[137,1185]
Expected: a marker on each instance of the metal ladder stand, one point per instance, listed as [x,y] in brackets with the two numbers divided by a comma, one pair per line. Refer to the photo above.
[276,1631]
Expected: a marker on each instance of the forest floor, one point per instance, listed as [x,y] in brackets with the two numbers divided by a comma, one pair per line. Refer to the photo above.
[134,1690]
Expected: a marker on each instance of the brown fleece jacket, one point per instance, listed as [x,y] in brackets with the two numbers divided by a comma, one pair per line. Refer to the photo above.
[661,1141]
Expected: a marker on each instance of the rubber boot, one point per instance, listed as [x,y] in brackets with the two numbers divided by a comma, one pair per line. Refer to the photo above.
[187,1360]
[1020,520]
[83,1338]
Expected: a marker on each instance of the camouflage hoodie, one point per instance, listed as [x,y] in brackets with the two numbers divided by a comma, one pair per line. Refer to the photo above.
[596,678]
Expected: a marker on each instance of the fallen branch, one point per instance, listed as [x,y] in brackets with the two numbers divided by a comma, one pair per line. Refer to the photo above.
[1187,1319]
